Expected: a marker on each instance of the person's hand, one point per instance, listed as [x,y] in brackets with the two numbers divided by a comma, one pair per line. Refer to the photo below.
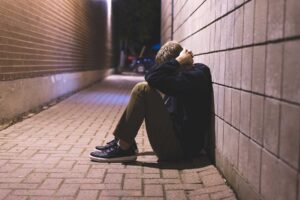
[185,58]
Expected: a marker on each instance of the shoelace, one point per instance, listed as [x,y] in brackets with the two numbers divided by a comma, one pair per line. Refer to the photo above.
[110,149]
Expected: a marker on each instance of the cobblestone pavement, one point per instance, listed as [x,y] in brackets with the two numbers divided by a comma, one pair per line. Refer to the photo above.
[47,155]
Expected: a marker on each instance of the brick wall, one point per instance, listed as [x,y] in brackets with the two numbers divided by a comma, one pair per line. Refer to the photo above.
[166,20]
[48,49]
[51,36]
[252,48]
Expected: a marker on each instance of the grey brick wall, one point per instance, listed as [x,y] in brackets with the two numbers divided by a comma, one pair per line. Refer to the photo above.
[41,37]
[252,48]
[166,20]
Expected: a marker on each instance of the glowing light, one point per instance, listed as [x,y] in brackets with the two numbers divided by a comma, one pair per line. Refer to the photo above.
[108,3]
[127,78]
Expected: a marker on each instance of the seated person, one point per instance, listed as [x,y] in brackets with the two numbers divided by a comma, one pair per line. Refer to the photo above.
[174,101]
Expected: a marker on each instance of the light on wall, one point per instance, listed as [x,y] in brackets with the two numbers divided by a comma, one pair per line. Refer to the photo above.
[108,3]
[109,28]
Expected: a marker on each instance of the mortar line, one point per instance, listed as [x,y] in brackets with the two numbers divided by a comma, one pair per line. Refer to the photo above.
[259,94]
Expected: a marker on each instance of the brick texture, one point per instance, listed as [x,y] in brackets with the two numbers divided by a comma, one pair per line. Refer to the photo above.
[47,155]
[42,37]
[251,47]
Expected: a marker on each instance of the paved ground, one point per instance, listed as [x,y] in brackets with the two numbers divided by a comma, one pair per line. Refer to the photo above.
[46,155]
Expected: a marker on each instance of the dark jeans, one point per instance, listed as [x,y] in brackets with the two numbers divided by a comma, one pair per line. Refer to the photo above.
[146,104]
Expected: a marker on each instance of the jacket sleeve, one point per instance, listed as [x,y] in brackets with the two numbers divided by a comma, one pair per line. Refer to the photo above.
[167,78]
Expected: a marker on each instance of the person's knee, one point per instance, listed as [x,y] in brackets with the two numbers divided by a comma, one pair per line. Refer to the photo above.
[141,86]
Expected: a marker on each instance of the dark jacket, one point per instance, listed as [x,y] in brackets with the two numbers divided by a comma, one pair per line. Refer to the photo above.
[188,100]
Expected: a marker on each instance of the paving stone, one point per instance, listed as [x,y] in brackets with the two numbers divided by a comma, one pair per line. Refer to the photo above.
[120,193]
[161,181]
[183,186]
[135,184]
[170,173]
[35,178]
[111,198]
[100,186]
[153,190]
[125,171]
[19,185]
[34,192]
[207,170]
[141,198]
[96,173]
[199,197]
[211,180]
[113,178]
[13,197]
[144,176]
[67,190]
[65,164]
[81,168]
[208,190]
[176,194]
[222,195]
[11,180]
[51,184]
[87,194]
[55,146]
[190,178]
[4,193]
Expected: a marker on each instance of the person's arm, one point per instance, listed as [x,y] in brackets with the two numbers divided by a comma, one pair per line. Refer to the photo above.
[167,77]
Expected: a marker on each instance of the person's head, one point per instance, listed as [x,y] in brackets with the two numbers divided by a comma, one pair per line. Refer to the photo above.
[168,51]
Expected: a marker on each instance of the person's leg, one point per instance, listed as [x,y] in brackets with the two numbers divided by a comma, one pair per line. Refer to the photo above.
[133,116]
[146,103]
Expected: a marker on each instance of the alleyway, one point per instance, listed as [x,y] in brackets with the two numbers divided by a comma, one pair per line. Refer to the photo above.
[47,156]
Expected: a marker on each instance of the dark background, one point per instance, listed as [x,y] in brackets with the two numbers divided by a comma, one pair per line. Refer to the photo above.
[136,23]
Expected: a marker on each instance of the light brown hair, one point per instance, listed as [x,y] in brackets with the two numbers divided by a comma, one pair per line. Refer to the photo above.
[168,51]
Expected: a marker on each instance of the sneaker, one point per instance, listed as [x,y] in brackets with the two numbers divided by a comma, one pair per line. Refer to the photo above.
[108,145]
[114,154]
[112,143]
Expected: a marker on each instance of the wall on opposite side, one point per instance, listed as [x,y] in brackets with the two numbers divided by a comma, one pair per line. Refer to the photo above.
[21,95]
[252,48]
[41,41]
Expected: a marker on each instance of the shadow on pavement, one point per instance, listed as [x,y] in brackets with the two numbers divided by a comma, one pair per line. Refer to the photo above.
[201,161]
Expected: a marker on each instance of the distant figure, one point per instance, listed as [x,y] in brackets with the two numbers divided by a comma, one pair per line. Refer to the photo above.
[175,103]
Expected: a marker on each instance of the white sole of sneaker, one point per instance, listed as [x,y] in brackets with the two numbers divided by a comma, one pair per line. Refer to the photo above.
[119,159]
